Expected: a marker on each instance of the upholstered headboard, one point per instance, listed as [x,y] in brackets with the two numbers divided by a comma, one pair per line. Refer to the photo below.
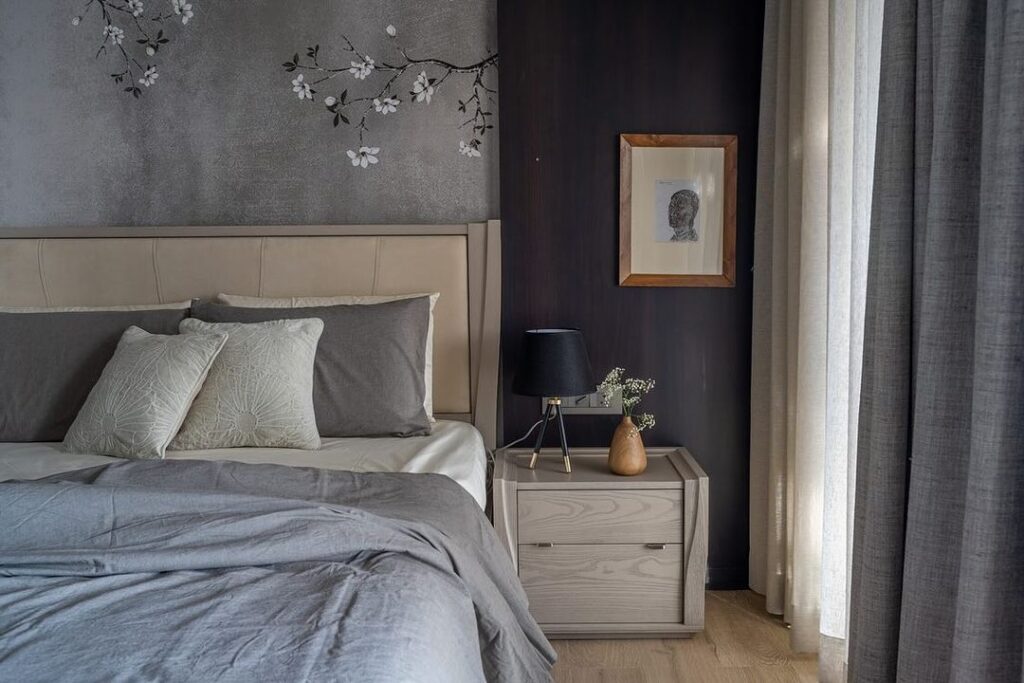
[105,266]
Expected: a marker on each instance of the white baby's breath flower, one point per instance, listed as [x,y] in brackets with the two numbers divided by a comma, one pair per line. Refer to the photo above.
[469,150]
[644,421]
[423,89]
[135,7]
[611,384]
[632,391]
[301,88]
[364,157]
[149,76]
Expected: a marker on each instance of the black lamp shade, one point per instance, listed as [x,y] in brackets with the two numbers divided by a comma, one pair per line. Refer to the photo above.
[553,362]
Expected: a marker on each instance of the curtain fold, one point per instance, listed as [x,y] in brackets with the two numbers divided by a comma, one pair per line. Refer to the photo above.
[791,160]
[853,106]
[815,157]
[790,278]
[938,572]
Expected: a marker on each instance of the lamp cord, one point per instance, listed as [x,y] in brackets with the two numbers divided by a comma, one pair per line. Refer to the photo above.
[524,437]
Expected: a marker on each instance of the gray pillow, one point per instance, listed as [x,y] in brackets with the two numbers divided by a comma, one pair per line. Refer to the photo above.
[143,395]
[368,379]
[50,361]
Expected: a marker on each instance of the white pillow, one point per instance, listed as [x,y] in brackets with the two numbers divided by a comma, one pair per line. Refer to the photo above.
[311,301]
[174,305]
[144,393]
[259,391]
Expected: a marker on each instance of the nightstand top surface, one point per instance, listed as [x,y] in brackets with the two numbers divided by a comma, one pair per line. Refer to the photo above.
[590,470]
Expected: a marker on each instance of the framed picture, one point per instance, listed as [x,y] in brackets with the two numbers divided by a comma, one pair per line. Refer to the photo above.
[677,210]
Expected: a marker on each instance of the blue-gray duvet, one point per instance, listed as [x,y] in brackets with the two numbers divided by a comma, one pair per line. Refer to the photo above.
[220,571]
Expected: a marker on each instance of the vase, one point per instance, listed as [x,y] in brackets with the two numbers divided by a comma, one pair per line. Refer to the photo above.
[627,455]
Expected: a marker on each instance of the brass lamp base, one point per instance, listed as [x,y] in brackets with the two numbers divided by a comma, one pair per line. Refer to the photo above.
[554,405]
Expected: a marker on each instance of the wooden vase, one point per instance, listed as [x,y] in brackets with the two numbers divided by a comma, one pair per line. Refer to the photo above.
[627,455]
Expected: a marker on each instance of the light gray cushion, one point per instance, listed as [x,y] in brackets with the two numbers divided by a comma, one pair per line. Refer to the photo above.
[177,305]
[369,378]
[50,361]
[259,391]
[140,400]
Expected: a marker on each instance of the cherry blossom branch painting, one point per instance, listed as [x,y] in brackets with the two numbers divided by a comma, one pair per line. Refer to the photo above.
[399,84]
[136,22]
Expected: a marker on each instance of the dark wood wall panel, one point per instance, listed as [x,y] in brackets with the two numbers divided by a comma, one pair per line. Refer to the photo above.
[575,74]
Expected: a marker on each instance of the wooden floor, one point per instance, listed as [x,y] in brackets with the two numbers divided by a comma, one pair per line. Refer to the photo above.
[740,642]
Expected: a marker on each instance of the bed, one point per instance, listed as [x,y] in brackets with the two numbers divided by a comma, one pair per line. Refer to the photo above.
[453,448]
[367,559]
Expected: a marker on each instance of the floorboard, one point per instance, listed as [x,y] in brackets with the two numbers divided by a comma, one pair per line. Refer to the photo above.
[740,642]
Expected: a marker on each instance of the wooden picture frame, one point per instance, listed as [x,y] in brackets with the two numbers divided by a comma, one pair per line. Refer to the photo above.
[647,204]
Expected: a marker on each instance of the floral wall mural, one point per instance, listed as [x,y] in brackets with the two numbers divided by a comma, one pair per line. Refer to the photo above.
[131,29]
[384,97]
[151,112]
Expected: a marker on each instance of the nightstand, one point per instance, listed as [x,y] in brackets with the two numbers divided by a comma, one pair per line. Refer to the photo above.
[604,556]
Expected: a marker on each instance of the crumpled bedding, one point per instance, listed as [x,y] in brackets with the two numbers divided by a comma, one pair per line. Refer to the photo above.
[224,571]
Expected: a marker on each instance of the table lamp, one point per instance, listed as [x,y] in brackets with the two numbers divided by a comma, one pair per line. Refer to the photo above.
[553,363]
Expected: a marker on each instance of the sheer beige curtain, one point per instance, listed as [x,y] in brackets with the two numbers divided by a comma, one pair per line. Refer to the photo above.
[815,160]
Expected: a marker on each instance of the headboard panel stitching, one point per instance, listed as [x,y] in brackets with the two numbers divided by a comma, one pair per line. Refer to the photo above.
[263,250]
[376,263]
[42,271]
[156,272]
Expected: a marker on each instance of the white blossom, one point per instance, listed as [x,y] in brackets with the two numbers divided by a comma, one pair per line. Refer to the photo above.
[182,8]
[611,384]
[135,7]
[330,101]
[364,157]
[301,88]
[468,150]
[150,50]
[391,30]
[75,21]
[632,391]
[422,88]
[644,421]
[149,76]
[386,106]
[362,69]
[116,35]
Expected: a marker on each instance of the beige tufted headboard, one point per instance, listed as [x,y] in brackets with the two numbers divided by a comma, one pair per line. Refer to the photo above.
[106,266]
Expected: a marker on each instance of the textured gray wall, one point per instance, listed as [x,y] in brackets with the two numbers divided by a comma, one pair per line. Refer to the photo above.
[220,138]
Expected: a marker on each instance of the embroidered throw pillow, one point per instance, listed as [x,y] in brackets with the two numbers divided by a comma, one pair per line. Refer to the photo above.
[259,391]
[143,394]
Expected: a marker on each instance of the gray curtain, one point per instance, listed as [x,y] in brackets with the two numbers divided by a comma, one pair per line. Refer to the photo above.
[938,568]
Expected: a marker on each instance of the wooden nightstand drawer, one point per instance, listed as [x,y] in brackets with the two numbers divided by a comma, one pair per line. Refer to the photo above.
[582,541]
[643,516]
[593,584]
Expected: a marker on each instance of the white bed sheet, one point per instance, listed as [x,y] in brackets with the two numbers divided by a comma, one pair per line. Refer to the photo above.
[452,448]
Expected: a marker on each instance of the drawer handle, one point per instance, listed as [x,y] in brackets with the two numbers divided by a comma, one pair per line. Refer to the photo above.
[654,546]
[545,545]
